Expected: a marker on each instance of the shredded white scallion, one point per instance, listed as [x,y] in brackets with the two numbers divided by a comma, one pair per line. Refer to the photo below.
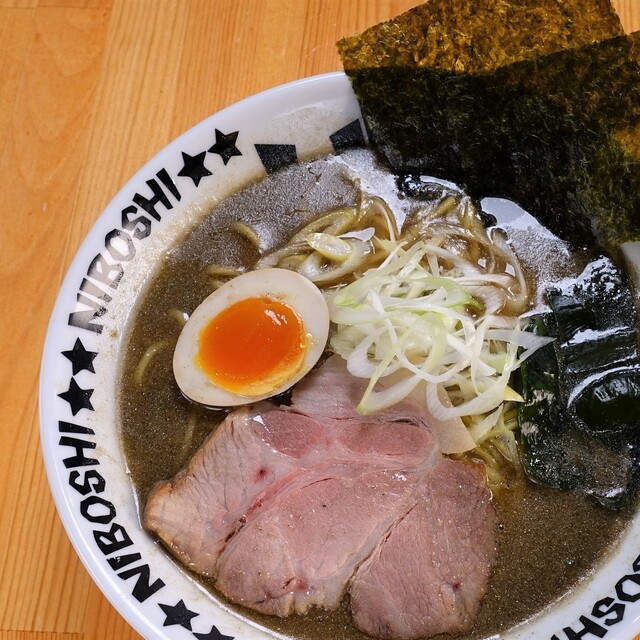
[416,313]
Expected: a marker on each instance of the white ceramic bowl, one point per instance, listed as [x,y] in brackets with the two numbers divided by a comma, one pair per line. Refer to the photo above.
[84,462]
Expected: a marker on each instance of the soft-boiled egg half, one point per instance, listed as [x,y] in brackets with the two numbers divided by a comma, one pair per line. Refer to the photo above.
[253,338]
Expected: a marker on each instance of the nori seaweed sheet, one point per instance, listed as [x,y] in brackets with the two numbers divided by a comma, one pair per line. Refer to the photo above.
[470,36]
[559,134]
[554,451]
[580,426]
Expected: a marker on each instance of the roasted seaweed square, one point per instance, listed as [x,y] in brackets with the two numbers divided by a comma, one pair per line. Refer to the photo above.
[472,36]
[554,127]
[554,450]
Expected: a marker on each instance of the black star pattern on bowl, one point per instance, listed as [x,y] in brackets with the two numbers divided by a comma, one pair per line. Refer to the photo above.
[80,358]
[225,145]
[194,167]
[77,397]
[178,614]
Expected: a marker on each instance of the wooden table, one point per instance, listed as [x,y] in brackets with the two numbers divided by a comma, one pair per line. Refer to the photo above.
[89,91]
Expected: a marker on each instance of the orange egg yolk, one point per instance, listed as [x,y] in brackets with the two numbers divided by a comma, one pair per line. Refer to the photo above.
[253,346]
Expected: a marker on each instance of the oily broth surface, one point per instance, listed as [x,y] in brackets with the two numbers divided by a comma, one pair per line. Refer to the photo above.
[547,540]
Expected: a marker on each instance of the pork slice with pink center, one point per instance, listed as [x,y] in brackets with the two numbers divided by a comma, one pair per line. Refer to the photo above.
[197,511]
[303,548]
[292,507]
[430,573]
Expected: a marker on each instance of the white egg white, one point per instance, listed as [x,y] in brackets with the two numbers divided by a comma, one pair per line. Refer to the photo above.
[283,285]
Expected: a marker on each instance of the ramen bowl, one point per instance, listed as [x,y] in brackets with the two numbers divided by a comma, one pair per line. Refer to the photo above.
[86,467]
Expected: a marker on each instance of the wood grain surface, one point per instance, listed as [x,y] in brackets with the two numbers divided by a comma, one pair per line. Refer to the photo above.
[89,91]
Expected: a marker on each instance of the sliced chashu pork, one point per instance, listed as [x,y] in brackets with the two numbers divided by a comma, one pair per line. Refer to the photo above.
[302,549]
[257,454]
[324,393]
[429,574]
[283,507]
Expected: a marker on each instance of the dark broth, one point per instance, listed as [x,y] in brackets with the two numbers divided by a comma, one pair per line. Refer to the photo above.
[548,540]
